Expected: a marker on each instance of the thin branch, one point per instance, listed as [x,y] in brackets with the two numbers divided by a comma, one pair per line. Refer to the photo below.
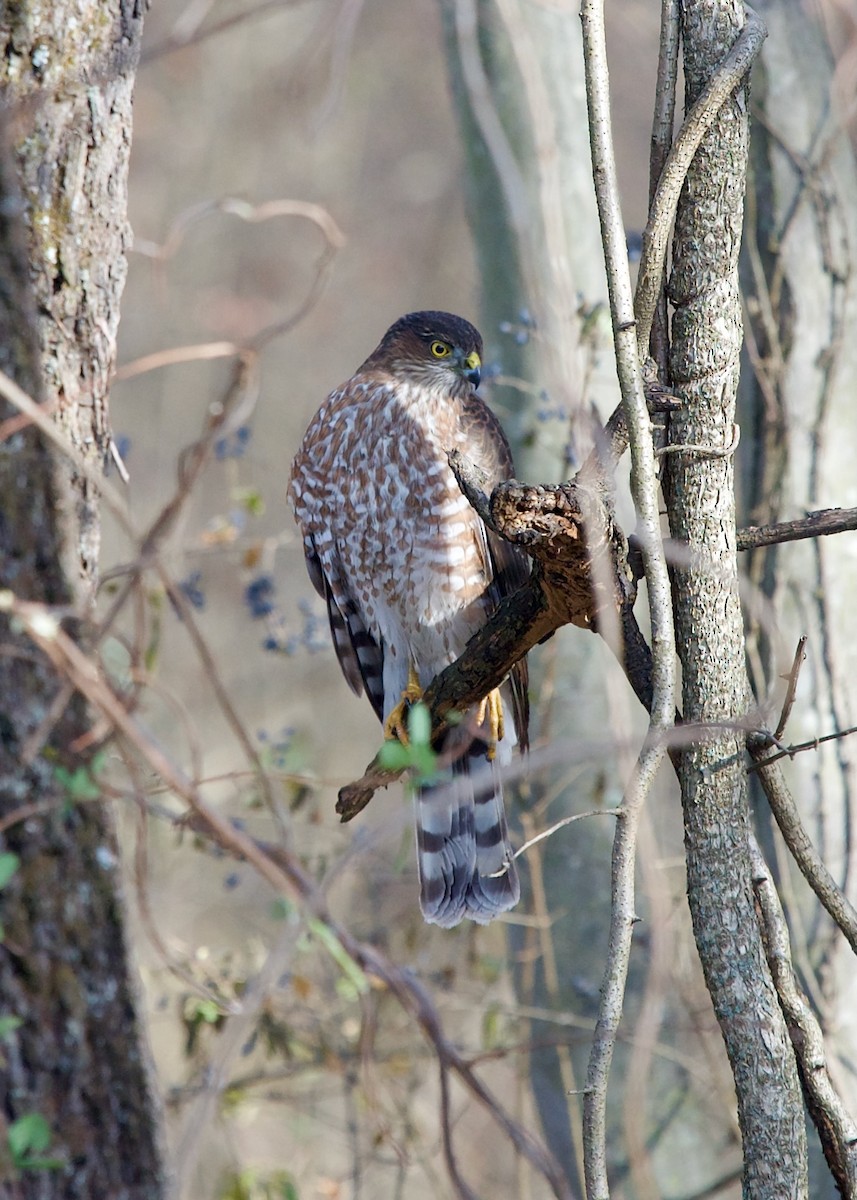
[698,122]
[557,825]
[820,523]
[837,1131]
[644,488]
[791,690]
[797,747]
[488,119]
[462,1188]
[723,82]
[39,415]
[663,122]
[806,856]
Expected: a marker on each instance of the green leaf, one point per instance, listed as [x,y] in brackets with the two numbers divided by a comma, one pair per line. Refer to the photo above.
[394,756]
[9,1024]
[30,1133]
[208,1011]
[79,783]
[419,725]
[346,990]
[282,908]
[9,864]
[250,499]
[39,1164]
[285,1189]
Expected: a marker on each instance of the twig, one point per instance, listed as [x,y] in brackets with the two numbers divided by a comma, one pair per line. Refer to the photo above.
[837,1131]
[39,416]
[663,122]
[806,856]
[178,41]
[201,352]
[820,523]
[791,690]
[488,119]
[462,1188]
[540,947]
[766,740]
[557,825]
[644,488]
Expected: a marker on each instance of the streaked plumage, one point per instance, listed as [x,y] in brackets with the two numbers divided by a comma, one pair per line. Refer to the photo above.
[409,572]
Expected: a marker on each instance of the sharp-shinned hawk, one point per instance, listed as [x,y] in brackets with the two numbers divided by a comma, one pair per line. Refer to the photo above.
[409,573]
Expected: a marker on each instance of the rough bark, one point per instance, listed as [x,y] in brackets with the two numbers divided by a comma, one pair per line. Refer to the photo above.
[797,410]
[707,337]
[76,1058]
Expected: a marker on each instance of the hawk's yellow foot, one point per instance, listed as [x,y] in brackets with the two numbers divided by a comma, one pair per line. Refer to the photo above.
[396,725]
[492,708]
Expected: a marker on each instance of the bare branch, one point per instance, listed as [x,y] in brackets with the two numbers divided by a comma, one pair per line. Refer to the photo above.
[663,122]
[815,524]
[723,82]
[799,843]
[836,1129]
[192,37]
[644,488]
[791,690]
[698,122]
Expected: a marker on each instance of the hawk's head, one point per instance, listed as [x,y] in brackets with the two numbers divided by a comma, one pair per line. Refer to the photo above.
[435,349]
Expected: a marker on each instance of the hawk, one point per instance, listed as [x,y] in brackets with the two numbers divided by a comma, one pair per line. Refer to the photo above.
[409,573]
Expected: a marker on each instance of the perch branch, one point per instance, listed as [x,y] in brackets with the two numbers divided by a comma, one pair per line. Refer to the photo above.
[580,570]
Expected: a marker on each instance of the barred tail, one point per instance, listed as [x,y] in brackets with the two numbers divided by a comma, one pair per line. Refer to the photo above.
[465,860]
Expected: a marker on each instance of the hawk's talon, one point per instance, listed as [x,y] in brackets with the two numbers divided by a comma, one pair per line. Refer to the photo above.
[492,707]
[396,724]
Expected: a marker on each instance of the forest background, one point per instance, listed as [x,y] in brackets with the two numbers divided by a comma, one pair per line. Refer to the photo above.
[301,175]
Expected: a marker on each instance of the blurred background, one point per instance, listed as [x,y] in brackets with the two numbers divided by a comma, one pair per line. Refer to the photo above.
[314,170]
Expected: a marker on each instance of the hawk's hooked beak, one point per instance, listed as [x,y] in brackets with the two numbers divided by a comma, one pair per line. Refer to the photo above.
[470,367]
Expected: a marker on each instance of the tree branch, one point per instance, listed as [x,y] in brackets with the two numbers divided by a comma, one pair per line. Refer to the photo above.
[836,1129]
[799,843]
[644,489]
[580,573]
[699,120]
[722,83]
[820,523]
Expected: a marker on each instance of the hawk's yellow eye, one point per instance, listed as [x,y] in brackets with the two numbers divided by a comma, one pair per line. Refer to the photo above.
[441,349]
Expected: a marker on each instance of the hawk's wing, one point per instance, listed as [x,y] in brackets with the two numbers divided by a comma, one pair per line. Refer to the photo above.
[507,566]
[360,656]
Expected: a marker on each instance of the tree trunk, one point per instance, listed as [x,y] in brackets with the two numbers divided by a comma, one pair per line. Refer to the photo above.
[797,409]
[76,1058]
[707,338]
